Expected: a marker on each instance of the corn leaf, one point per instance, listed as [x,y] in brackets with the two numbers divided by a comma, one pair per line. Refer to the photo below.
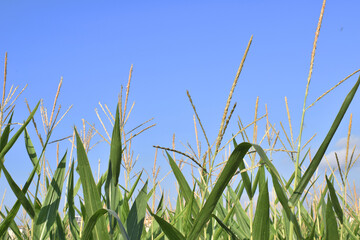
[331,225]
[47,215]
[183,184]
[335,200]
[131,192]
[74,228]
[13,225]
[97,216]
[322,149]
[245,177]
[90,193]
[31,151]
[261,224]
[112,194]
[60,233]
[170,231]
[17,191]
[223,226]
[135,220]
[115,149]
[227,173]
[14,210]
[17,134]
[5,137]
[20,195]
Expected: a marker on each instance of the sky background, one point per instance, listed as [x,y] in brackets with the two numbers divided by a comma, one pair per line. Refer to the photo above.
[178,46]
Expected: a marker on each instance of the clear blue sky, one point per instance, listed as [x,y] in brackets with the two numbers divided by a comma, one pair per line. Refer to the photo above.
[174,47]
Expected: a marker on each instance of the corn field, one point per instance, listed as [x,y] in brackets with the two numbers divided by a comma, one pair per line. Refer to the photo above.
[242,197]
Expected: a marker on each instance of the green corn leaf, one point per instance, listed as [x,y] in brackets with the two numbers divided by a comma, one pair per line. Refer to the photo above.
[261,224]
[77,186]
[60,233]
[187,219]
[83,212]
[246,179]
[262,180]
[161,203]
[183,184]
[268,163]
[331,225]
[112,196]
[322,149]
[243,220]
[17,191]
[255,183]
[312,233]
[279,188]
[352,232]
[227,173]
[97,216]
[47,215]
[115,149]
[131,192]
[13,225]
[135,220]
[74,228]
[280,193]
[223,226]
[259,179]
[31,151]
[14,210]
[5,137]
[230,213]
[91,195]
[170,231]
[20,195]
[101,182]
[17,134]
[334,200]
[124,207]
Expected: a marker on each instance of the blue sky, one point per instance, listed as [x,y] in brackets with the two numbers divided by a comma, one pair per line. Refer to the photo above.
[174,47]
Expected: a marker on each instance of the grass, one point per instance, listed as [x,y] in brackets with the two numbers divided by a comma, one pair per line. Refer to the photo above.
[242,197]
